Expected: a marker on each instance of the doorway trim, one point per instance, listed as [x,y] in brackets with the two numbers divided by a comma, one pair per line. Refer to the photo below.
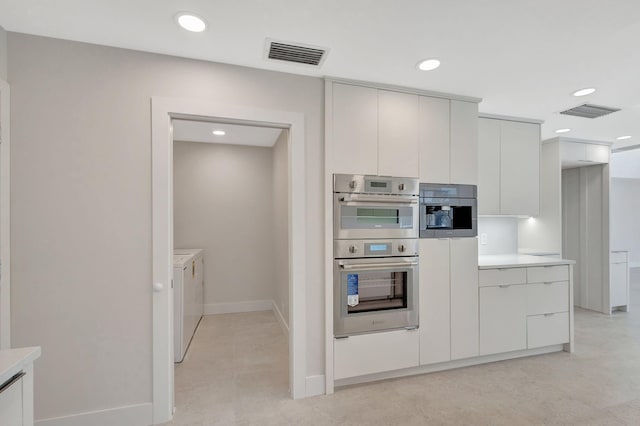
[5,217]
[162,111]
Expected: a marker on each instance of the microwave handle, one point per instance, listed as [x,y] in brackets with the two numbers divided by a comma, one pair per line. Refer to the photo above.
[382,199]
[376,265]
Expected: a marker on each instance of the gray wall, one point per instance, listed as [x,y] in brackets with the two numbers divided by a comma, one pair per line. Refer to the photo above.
[3,54]
[625,226]
[280,224]
[81,208]
[223,203]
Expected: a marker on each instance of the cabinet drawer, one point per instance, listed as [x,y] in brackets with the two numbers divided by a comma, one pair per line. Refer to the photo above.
[504,276]
[547,298]
[543,274]
[375,353]
[546,330]
[618,257]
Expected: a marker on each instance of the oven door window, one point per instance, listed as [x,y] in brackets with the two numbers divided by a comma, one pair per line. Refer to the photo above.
[376,217]
[371,291]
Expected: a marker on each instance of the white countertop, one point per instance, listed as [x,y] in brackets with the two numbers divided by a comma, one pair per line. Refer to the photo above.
[518,260]
[12,361]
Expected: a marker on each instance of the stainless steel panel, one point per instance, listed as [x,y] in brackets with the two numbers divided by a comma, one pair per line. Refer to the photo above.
[358,184]
[351,249]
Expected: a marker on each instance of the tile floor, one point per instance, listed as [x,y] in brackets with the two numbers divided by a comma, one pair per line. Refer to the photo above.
[235,373]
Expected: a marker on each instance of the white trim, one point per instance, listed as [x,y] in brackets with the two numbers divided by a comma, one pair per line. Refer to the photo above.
[315,385]
[567,139]
[450,365]
[162,110]
[328,236]
[509,118]
[133,415]
[404,89]
[281,321]
[5,219]
[236,307]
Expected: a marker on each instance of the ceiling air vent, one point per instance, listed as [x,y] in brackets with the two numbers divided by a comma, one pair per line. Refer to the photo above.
[589,111]
[298,53]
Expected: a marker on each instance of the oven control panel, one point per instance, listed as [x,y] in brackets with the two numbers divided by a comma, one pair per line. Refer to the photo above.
[345,249]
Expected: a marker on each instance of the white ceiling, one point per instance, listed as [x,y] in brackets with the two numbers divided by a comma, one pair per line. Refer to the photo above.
[524,58]
[202,131]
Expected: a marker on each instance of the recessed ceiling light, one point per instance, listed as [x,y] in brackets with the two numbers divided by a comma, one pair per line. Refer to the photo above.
[622,138]
[563,130]
[219,132]
[429,64]
[191,22]
[584,92]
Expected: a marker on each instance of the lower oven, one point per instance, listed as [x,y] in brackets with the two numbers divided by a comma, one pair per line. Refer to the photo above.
[377,291]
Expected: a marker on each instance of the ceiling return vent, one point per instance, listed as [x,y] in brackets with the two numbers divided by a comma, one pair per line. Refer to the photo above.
[589,111]
[295,52]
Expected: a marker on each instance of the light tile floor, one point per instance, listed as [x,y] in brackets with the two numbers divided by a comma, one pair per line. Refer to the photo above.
[235,373]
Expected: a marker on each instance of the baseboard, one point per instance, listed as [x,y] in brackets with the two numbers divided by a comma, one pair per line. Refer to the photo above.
[236,307]
[280,318]
[133,415]
[314,385]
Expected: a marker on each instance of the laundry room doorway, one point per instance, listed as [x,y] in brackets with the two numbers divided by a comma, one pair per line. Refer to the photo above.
[210,160]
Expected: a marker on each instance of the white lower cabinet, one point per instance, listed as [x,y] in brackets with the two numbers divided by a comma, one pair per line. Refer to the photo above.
[503,320]
[11,412]
[375,353]
[547,329]
[464,297]
[619,282]
[524,308]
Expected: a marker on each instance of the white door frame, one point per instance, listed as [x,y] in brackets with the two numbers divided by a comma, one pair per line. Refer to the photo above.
[162,111]
[5,216]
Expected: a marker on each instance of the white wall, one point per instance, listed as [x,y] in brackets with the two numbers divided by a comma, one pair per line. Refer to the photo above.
[626,164]
[625,226]
[502,235]
[223,204]
[81,208]
[280,224]
[3,54]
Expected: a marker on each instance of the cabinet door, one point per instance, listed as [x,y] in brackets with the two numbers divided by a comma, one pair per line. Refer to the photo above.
[464,142]
[375,352]
[488,166]
[398,124]
[519,168]
[434,140]
[435,331]
[11,412]
[503,319]
[354,127]
[464,297]
[619,284]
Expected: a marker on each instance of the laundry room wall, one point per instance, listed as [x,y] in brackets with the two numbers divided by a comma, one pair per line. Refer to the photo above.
[280,225]
[223,203]
[81,211]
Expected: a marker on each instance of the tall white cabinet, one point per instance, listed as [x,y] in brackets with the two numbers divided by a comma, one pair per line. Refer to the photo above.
[508,166]
[448,299]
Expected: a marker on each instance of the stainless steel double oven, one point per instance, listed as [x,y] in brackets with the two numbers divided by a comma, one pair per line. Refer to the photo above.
[376,223]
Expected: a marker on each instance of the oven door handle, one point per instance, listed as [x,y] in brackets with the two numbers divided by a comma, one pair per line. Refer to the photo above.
[383,199]
[369,266]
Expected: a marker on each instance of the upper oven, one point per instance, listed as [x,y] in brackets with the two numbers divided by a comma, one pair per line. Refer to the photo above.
[448,210]
[374,207]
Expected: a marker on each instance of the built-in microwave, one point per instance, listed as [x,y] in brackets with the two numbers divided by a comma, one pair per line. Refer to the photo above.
[374,207]
[448,210]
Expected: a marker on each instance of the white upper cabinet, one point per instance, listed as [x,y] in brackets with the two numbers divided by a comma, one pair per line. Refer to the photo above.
[489,167]
[398,124]
[509,167]
[464,142]
[520,168]
[354,124]
[385,132]
[434,140]
[579,154]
